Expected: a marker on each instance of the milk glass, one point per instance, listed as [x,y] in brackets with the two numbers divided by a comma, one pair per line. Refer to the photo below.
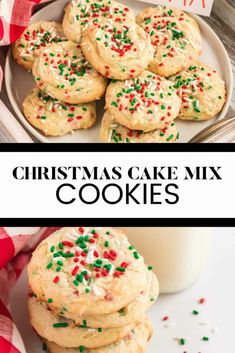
[178,255]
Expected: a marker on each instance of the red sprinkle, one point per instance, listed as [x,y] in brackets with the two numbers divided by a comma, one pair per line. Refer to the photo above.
[75,270]
[68,243]
[81,229]
[165,318]
[202,300]
[56,279]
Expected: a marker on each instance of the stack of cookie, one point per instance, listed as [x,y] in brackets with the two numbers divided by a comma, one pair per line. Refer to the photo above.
[150,63]
[89,291]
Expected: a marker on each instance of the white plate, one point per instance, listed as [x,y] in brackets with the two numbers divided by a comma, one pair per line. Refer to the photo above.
[216,285]
[19,82]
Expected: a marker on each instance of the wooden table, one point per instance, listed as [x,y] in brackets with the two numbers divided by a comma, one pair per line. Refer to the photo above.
[221,26]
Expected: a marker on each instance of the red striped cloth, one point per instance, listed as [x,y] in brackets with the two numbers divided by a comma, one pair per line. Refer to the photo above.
[16,246]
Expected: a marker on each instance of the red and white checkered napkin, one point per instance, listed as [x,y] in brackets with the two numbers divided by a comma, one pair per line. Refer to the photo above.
[16,245]
[14,18]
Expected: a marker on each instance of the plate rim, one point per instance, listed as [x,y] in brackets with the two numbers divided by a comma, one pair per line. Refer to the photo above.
[41,138]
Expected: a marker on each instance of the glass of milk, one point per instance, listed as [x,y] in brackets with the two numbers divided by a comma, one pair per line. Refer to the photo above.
[178,255]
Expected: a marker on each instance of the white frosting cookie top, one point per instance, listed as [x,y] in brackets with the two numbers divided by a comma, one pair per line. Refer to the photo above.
[87,271]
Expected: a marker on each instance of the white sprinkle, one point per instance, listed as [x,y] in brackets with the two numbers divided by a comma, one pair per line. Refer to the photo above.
[98,291]
[215,329]
[204,323]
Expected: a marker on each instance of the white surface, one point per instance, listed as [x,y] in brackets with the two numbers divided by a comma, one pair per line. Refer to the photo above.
[19,82]
[217,285]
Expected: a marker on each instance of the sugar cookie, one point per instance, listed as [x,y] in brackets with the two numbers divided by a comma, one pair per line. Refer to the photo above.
[112,131]
[55,118]
[63,73]
[145,103]
[80,14]
[117,51]
[34,39]
[202,92]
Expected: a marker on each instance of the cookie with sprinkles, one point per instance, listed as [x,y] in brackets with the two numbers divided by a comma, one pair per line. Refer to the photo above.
[117,51]
[62,72]
[34,39]
[164,11]
[56,118]
[66,333]
[201,90]
[135,341]
[80,14]
[145,103]
[86,271]
[112,131]
[177,44]
[133,312]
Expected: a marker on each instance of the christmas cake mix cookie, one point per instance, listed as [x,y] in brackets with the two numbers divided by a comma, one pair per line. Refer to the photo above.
[112,131]
[201,90]
[133,312]
[117,51]
[164,11]
[145,103]
[62,72]
[34,39]
[55,118]
[66,333]
[87,271]
[177,44]
[80,14]
[135,341]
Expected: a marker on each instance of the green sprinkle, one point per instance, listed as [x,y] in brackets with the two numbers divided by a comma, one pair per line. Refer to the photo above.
[52,249]
[182,341]
[50,300]
[100,329]
[60,324]
[81,349]
[67,255]
[49,265]
[150,268]
[87,290]
[106,244]
[75,282]
[136,255]
[61,246]
[121,269]
[122,312]
[195,105]
[131,247]
[205,338]
[114,104]
[58,269]
[170,137]
[195,312]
